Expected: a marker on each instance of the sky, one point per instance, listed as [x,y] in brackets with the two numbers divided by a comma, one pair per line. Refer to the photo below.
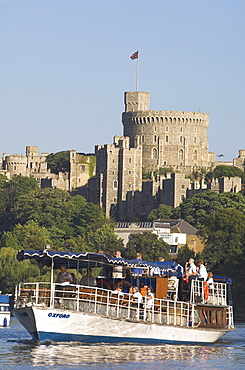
[65,65]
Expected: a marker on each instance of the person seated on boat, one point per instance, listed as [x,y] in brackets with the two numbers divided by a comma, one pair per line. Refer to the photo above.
[137,296]
[64,277]
[124,284]
[88,280]
[137,270]
[118,291]
[117,270]
[202,271]
[74,279]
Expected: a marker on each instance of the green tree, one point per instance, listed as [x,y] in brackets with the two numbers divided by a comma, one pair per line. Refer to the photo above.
[12,190]
[47,207]
[227,171]
[162,212]
[28,236]
[104,239]
[224,236]
[12,272]
[3,180]
[184,254]
[148,244]
[59,162]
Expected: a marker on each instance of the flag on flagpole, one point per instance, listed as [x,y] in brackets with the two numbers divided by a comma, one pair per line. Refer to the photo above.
[135,55]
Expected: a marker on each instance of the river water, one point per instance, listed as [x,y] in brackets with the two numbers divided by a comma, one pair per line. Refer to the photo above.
[17,351]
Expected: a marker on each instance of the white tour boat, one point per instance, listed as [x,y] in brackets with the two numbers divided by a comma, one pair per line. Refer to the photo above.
[4,309]
[50,311]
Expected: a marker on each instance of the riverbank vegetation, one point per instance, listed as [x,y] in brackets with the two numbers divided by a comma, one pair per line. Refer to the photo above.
[32,218]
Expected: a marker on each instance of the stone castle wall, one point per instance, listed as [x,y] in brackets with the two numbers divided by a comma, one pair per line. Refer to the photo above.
[168,138]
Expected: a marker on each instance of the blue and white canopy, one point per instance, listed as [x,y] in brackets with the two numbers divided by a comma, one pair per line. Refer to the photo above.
[88,259]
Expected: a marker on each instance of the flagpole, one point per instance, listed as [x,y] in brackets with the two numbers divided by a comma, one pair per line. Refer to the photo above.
[137,71]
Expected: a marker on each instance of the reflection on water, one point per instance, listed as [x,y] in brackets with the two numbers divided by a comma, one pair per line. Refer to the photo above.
[76,353]
[17,351]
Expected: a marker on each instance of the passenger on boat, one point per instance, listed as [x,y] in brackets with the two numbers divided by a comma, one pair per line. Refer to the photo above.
[191,273]
[64,277]
[149,298]
[88,280]
[180,275]
[202,271]
[118,291]
[155,271]
[137,295]
[117,270]
[74,279]
[210,280]
[137,270]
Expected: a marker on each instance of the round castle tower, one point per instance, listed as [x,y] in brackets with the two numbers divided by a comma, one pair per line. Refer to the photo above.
[168,138]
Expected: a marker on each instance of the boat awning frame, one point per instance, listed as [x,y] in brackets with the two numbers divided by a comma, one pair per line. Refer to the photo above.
[88,259]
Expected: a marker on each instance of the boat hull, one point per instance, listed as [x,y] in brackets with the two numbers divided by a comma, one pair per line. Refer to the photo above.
[59,325]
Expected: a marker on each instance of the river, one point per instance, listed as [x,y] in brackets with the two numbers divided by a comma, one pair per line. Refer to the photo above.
[17,351]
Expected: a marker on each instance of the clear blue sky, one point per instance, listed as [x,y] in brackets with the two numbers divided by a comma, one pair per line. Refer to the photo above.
[64,67]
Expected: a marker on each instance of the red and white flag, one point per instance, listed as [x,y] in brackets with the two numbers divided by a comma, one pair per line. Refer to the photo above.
[135,55]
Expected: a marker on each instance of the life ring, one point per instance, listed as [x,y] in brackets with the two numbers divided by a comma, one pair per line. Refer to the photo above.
[205,290]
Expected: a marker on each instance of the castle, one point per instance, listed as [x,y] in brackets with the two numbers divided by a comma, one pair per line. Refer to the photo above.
[168,145]
[176,141]
[33,164]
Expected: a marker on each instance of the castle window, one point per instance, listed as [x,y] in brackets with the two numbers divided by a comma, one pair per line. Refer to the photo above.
[115,184]
[181,154]
[170,120]
[166,138]
[129,172]
[130,186]
[157,119]
[154,153]
[165,120]
[152,119]
[178,120]
[166,128]
[83,168]
[195,140]
[115,200]
[195,155]
[14,168]
[181,139]
[155,128]
[113,161]
[155,138]
[112,173]
[161,119]
[183,186]
[181,129]
[130,160]
[142,139]
[164,163]
[174,120]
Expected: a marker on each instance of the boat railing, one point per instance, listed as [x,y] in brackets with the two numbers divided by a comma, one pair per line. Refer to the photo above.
[104,302]
[215,294]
